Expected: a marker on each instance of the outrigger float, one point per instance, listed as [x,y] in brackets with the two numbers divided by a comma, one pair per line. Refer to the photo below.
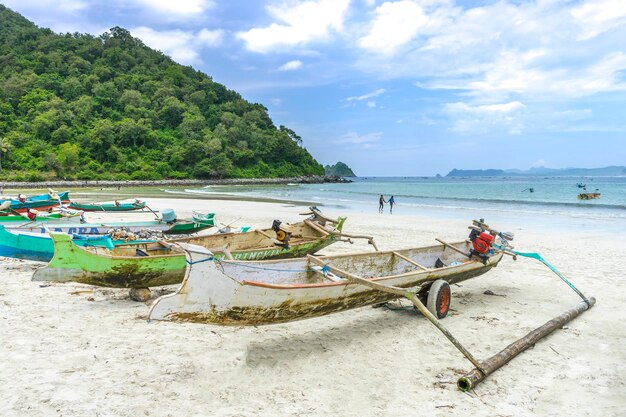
[144,265]
[251,293]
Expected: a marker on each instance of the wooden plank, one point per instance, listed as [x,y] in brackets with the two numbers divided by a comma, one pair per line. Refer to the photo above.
[452,247]
[411,261]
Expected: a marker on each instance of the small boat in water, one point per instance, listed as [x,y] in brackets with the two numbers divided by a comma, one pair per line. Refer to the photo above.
[114,206]
[252,293]
[589,196]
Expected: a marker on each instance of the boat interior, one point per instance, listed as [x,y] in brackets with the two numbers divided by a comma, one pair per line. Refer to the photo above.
[255,239]
[325,269]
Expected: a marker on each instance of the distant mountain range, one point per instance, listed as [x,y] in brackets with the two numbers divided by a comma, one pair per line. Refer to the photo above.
[539,171]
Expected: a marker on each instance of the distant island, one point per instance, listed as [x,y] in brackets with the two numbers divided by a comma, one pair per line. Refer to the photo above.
[338,170]
[540,171]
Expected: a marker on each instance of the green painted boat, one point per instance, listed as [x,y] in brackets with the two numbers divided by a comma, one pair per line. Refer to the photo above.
[163,263]
[40,217]
[173,227]
[115,206]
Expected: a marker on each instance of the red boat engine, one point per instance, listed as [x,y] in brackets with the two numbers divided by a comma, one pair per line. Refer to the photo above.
[481,243]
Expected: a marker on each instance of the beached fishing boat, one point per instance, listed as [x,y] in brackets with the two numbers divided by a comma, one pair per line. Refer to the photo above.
[41,216]
[173,227]
[114,206]
[39,247]
[252,293]
[163,263]
[39,202]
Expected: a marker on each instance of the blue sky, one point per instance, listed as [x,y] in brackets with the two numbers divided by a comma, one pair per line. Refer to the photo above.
[401,88]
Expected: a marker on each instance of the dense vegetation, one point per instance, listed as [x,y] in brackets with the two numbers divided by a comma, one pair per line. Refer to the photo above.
[77,106]
[339,170]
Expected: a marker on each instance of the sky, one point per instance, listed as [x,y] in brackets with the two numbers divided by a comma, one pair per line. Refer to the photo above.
[400,88]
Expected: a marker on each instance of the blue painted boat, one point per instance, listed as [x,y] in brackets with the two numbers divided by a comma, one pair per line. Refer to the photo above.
[39,202]
[39,247]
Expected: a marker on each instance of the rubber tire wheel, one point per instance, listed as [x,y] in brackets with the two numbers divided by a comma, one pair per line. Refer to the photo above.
[439,297]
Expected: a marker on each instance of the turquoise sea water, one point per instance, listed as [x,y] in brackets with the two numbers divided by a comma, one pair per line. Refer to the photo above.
[553,203]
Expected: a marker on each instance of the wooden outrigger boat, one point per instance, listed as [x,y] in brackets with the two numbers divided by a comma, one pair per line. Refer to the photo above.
[163,263]
[114,206]
[250,293]
[41,216]
[40,247]
[177,226]
[253,293]
[39,202]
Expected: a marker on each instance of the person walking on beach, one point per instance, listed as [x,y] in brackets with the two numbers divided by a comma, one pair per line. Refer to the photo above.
[381,203]
[391,203]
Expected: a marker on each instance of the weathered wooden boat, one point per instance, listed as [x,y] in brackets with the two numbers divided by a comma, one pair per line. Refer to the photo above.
[178,226]
[163,263]
[588,196]
[114,206]
[251,293]
[39,202]
[39,247]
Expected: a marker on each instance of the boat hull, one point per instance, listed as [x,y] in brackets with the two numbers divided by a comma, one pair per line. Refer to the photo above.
[71,263]
[40,247]
[45,217]
[209,295]
[108,206]
[39,202]
[179,227]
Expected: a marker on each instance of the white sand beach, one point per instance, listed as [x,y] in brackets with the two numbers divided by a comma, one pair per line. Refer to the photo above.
[75,350]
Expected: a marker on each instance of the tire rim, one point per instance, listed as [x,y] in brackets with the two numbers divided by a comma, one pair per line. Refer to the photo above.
[444,302]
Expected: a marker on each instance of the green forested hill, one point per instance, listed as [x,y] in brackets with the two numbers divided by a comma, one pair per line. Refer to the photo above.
[108,107]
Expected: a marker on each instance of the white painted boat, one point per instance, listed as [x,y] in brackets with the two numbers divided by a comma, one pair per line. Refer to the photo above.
[264,292]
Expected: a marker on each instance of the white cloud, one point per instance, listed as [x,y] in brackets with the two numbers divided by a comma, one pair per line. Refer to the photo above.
[367,140]
[471,118]
[178,8]
[396,23]
[301,23]
[210,37]
[290,66]
[371,104]
[503,51]
[67,6]
[183,46]
[368,95]
[598,16]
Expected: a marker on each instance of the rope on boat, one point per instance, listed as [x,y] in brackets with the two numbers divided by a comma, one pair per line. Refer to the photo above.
[259,267]
[200,261]
[537,256]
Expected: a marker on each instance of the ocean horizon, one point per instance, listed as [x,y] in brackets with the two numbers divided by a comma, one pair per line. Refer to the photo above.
[552,203]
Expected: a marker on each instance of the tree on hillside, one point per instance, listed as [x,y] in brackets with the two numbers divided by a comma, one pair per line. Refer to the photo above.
[5,146]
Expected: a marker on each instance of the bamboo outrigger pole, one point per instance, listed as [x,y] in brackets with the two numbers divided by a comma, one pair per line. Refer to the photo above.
[489,366]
